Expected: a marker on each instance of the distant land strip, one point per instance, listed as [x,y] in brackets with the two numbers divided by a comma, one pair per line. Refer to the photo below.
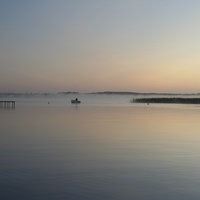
[167,100]
[138,93]
[47,94]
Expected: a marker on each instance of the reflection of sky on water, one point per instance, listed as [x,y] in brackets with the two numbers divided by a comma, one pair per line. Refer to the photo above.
[100,151]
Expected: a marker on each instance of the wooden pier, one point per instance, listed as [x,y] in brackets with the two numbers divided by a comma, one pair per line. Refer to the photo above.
[7,104]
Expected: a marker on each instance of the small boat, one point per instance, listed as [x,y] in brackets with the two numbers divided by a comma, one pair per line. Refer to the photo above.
[75,101]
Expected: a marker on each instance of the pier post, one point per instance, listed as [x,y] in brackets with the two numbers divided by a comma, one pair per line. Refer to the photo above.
[7,104]
[13,104]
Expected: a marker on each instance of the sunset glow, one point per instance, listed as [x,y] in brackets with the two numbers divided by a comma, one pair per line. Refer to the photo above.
[88,46]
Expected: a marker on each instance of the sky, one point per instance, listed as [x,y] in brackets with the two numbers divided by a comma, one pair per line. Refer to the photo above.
[100,45]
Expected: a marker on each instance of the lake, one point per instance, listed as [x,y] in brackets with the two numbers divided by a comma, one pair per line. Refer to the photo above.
[103,148]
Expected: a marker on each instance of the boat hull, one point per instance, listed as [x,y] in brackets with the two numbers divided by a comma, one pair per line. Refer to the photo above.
[75,101]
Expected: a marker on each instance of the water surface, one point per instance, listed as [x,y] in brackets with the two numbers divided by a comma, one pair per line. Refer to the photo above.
[101,149]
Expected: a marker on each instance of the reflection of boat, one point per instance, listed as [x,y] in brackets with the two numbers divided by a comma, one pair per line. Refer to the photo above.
[75,101]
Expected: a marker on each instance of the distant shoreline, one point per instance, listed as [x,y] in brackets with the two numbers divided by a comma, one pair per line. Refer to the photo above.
[12,94]
[167,100]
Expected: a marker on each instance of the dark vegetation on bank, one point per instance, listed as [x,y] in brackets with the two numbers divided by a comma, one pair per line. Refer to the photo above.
[167,100]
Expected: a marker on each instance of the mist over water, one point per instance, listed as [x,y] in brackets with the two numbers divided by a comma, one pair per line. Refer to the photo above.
[87,98]
[103,148]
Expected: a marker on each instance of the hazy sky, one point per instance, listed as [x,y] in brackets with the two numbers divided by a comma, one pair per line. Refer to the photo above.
[100,45]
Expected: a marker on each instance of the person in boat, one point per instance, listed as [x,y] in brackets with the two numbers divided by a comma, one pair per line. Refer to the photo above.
[76,99]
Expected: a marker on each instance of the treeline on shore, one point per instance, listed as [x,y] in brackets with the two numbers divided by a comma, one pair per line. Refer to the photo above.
[35,94]
[139,93]
[167,100]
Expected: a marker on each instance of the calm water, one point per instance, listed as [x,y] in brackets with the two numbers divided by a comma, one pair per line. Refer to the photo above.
[104,148]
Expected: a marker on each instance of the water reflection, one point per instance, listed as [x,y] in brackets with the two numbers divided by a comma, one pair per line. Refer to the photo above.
[7,108]
[100,152]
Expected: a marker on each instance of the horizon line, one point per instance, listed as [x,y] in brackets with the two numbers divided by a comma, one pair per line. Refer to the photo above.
[104,92]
